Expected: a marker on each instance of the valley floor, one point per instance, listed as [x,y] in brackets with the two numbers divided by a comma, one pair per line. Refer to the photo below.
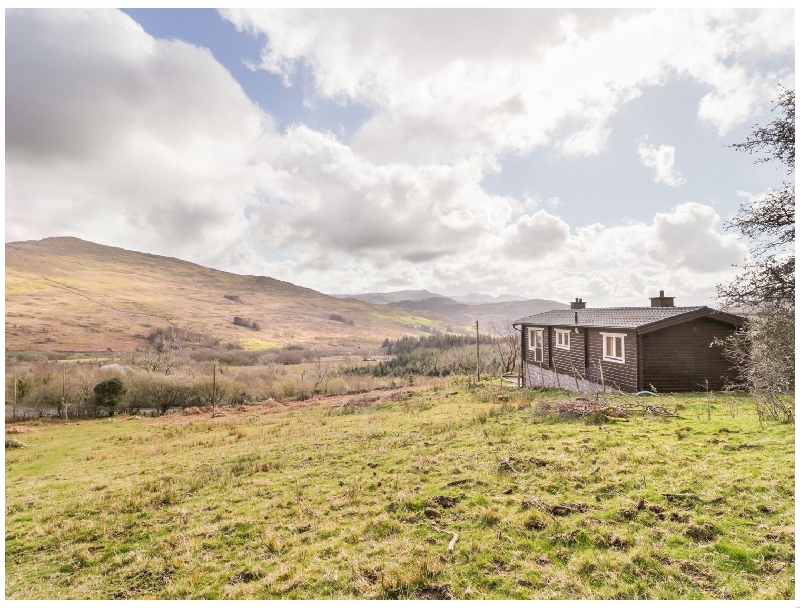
[359,497]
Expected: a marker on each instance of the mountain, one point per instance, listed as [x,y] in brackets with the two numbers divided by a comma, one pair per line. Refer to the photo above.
[486,314]
[482,298]
[389,297]
[64,293]
[418,295]
[462,310]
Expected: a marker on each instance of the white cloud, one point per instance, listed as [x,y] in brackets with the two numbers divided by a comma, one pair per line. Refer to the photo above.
[686,237]
[509,81]
[536,236]
[662,160]
[110,132]
[152,145]
[342,202]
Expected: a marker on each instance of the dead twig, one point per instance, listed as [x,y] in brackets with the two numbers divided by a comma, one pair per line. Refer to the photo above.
[506,464]
[453,540]
[535,502]
[582,406]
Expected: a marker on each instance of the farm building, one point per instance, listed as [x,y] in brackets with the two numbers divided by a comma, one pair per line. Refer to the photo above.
[662,346]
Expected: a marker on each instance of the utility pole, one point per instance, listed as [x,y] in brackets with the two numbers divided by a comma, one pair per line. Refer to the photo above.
[64,390]
[214,394]
[478,350]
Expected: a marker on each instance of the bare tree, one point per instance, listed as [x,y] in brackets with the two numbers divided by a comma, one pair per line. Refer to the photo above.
[164,356]
[320,374]
[507,346]
[768,281]
[763,352]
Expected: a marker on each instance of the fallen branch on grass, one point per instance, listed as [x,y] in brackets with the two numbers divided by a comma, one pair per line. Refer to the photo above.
[656,410]
[583,407]
[507,464]
[453,540]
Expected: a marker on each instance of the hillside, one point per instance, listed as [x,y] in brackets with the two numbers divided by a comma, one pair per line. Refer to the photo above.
[488,314]
[67,294]
[463,309]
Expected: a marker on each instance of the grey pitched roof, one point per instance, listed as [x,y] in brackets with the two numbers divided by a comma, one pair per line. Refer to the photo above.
[622,318]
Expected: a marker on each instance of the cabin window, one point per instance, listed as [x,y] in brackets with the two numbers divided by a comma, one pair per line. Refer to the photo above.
[562,339]
[613,347]
[536,343]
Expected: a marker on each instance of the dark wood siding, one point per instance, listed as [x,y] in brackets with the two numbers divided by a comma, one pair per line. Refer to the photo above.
[545,347]
[565,359]
[617,375]
[524,344]
[524,353]
[680,358]
[639,364]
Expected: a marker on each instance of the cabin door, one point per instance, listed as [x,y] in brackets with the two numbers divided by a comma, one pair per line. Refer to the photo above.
[537,345]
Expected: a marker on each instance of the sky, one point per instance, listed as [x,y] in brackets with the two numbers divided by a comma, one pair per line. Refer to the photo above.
[546,153]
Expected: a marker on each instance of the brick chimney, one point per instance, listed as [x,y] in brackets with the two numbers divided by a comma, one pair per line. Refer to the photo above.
[662,300]
[578,304]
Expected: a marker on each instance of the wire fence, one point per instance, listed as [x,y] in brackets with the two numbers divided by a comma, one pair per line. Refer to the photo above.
[547,378]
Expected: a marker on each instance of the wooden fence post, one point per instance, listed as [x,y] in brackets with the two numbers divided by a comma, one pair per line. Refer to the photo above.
[575,374]
[602,379]
[214,393]
[477,352]
[555,368]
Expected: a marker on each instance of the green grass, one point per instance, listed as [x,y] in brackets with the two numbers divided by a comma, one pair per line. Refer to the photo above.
[315,501]
[258,344]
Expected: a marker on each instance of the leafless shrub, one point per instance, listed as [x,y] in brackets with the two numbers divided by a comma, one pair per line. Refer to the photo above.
[507,346]
[762,354]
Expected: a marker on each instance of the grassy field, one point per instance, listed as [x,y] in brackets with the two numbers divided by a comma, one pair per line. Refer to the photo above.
[257,344]
[358,498]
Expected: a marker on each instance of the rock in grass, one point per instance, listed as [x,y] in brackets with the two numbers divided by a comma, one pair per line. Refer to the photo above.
[13,443]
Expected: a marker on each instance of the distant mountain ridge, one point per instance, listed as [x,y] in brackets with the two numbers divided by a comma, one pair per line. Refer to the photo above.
[390,297]
[419,295]
[482,298]
[488,315]
[465,309]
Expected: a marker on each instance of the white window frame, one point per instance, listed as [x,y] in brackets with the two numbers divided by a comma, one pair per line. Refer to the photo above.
[530,342]
[616,358]
[565,342]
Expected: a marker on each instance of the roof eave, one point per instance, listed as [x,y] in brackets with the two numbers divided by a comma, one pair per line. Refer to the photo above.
[705,311]
[683,317]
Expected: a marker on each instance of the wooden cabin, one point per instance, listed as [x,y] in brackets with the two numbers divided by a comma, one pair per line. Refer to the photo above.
[662,346]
